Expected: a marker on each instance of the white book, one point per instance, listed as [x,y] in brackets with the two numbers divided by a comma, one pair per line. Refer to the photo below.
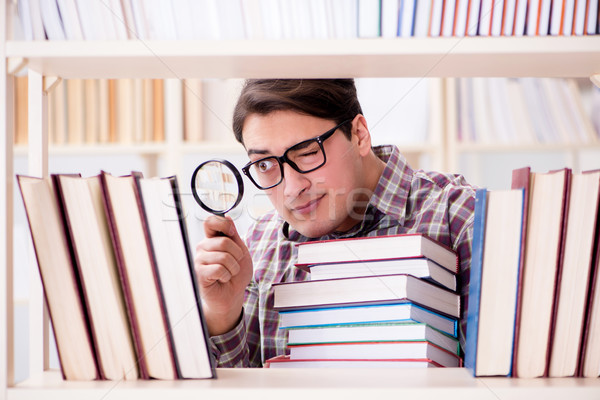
[485,18]
[320,19]
[579,18]
[592,17]
[115,18]
[473,17]
[389,18]
[509,17]
[520,18]
[173,265]
[130,26]
[51,20]
[25,17]
[544,20]
[497,15]
[207,25]
[435,21]
[407,18]
[369,22]
[462,11]
[37,24]
[567,21]
[533,10]
[252,19]
[139,18]
[184,19]
[519,112]
[422,17]
[448,18]
[285,15]
[301,21]
[556,17]
[271,18]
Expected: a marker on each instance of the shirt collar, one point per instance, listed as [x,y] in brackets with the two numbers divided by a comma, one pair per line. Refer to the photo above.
[388,199]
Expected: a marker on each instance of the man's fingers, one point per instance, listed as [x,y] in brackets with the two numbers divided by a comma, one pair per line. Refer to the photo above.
[228,261]
[221,244]
[209,274]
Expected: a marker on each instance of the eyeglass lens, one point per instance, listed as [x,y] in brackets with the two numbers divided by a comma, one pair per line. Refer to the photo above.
[304,158]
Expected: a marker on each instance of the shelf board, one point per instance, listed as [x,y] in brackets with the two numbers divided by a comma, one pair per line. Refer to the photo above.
[401,57]
[524,148]
[256,383]
[99,149]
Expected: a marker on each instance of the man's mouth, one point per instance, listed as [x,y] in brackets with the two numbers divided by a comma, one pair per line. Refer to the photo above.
[308,207]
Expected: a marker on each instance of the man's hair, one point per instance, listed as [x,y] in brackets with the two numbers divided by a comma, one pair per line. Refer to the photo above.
[333,99]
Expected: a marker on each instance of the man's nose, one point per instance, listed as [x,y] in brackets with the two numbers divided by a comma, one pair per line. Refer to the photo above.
[294,182]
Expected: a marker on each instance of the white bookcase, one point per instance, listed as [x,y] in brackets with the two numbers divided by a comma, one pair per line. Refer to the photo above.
[415,57]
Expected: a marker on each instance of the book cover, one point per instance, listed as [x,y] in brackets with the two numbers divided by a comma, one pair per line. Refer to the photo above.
[87,226]
[365,290]
[543,246]
[132,247]
[494,281]
[59,279]
[402,311]
[377,248]
[284,361]
[166,228]
[573,283]
[420,267]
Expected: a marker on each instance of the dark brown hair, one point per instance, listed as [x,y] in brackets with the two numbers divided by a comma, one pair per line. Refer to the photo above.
[333,99]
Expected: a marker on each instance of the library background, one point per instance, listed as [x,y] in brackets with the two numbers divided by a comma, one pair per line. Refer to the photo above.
[477,87]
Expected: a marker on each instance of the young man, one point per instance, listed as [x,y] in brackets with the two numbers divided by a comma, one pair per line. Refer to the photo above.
[310,150]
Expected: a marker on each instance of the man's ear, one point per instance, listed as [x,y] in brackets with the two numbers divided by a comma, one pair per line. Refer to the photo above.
[361,134]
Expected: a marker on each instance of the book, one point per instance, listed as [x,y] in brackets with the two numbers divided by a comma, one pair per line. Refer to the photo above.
[82,204]
[406,312]
[365,290]
[495,268]
[59,280]
[581,229]
[377,351]
[419,267]
[284,361]
[589,359]
[163,213]
[138,277]
[372,332]
[377,248]
[543,255]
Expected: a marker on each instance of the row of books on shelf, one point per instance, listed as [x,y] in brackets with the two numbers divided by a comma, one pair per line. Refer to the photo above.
[386,301]
[522,111]
[534,301]
[124,111]
[117,275]
[301,19]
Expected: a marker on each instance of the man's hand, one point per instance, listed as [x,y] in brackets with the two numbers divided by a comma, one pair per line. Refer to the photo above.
[223,268]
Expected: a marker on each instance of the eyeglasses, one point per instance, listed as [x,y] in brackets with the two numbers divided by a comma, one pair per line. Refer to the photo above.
[303,157]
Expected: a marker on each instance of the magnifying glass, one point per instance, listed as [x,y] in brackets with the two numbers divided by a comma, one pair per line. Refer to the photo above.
[217,186]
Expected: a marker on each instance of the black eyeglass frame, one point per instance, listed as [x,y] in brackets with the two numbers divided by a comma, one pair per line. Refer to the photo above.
[284,158]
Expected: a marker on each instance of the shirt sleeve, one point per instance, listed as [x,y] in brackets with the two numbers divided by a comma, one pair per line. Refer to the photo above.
[229,349]
[240,347]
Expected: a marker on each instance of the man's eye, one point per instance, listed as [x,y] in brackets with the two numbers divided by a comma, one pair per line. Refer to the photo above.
[309,153]
[264,166]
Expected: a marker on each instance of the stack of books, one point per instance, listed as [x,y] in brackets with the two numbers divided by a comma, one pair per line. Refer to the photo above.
[118,277]
[534,304]
[387,301]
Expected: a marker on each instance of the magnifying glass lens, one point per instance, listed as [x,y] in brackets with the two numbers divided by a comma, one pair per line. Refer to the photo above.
[217,187]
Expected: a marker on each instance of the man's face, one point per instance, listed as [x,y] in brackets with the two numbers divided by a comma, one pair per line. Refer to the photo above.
[318,202]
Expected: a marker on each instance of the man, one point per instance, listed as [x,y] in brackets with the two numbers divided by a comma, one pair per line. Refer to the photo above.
[310,150]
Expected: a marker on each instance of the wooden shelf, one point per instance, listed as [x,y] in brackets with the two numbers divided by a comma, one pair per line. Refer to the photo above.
[446,383]
[99,149]
[414,57]
[524,148]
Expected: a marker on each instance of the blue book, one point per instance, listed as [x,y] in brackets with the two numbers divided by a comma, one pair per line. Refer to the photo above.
[494,282]
[372,313]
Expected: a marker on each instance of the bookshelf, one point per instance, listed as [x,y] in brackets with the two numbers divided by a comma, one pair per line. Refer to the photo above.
[415,57]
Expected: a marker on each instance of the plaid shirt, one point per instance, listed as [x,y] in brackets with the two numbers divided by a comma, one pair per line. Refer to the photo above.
[405,201]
